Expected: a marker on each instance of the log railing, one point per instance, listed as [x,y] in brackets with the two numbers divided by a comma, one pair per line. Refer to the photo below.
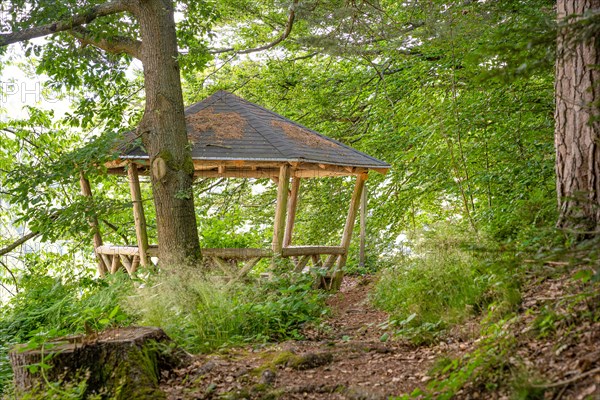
[128,257]
[235,263]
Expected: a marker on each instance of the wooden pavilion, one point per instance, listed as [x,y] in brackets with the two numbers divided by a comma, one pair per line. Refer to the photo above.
[232,137]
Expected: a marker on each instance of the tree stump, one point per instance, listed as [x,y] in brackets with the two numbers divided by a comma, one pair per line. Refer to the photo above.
[118,364]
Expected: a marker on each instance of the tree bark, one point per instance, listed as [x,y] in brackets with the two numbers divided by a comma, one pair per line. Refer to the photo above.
[164,135]
[577,123]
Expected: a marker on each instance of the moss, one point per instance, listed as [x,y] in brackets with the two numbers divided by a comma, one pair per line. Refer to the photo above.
[166,156]
[277,359]
[284,358]
[310,360]
[131,374]
[121,364]
[272,394]
[136,375]
[188,165]
[260,390]
[237,395]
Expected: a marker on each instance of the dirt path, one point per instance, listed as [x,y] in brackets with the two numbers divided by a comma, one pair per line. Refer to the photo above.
[348,360]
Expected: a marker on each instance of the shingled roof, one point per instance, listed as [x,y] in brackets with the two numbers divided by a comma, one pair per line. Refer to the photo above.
[225,127]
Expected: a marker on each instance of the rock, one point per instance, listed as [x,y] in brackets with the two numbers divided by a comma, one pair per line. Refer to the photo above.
[268,377]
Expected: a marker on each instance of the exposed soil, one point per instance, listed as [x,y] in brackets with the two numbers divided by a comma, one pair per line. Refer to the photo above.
[348,359]
[353,357]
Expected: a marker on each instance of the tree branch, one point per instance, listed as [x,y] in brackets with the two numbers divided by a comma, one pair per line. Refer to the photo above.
[14,278]
[288,29]
[307,56]
[101,10]
[114,44]
[116,230]
[17,243]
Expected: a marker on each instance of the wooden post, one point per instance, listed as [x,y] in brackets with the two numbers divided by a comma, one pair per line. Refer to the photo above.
[138,214]
[280,211]
[86,191]
[338,274]
[363,227]
[291,212]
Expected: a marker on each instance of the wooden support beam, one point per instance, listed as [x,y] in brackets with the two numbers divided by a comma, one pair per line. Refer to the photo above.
[212,164]
[138,213]
[244,271]
[363,228]
[330,260]
[316,260]
[304,169]
[224,266]
[291,212]
[127,264]
[280,211]
[106,261]
[238,173]
[311,173]
[86,191]
[338,274]
[116,264]
[127,250]
[301,263]
[135,263]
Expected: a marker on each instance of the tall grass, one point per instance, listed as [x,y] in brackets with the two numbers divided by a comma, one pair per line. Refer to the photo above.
[449,277]
[203,314]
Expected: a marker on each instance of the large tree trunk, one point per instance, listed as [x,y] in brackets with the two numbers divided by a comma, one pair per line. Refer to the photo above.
[577,124]
[164,135]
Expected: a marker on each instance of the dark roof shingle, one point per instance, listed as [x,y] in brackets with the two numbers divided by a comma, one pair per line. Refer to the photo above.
[225,127]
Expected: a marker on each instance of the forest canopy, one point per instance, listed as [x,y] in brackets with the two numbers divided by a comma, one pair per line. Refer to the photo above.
[459,99]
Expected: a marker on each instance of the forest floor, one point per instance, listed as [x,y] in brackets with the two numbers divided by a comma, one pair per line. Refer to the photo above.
[352,357]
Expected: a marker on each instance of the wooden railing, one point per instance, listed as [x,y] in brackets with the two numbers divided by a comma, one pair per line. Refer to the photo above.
[128,257]
[235,263]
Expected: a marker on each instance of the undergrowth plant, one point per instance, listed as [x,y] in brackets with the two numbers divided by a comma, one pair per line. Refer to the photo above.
[448,277]
[202,313]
